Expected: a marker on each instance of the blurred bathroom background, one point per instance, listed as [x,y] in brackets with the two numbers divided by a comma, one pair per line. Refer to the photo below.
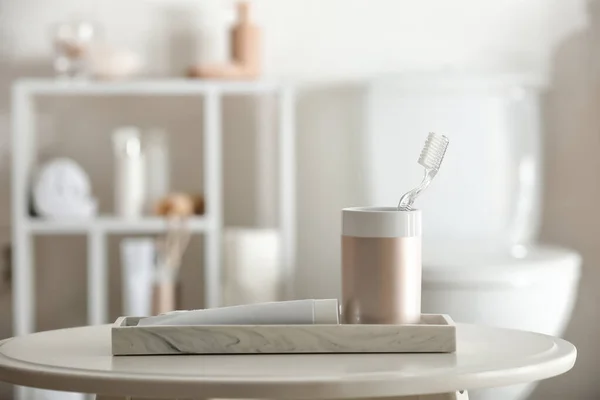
[513,84]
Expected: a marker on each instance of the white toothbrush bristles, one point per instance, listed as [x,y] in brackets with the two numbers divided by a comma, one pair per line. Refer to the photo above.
[433,151]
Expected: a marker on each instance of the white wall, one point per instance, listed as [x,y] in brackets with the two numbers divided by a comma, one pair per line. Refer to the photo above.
[332,47]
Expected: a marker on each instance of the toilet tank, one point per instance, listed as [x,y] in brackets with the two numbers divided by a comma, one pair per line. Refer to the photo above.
[489,184]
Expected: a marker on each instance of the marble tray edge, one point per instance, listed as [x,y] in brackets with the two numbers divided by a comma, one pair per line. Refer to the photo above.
[435,334]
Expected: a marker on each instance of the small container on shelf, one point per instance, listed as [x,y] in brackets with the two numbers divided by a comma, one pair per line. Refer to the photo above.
[157,168]
[130,174]
[72,41]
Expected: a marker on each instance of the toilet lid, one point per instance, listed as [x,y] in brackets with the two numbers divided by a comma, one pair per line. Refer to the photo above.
[455,267]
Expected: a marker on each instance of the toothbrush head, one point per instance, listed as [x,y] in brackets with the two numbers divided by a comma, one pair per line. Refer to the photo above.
[431,158]
[433,151]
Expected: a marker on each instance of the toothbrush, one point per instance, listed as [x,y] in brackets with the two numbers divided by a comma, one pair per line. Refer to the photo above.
[431,158]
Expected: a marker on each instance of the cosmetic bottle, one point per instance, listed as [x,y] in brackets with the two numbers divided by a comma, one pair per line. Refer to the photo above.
[129,173]
[245,41]
[156,168]
[137,269]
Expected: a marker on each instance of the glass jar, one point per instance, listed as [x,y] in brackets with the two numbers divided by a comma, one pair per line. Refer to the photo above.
[72,41]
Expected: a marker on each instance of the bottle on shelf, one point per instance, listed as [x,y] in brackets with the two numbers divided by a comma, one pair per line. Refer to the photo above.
[130,173]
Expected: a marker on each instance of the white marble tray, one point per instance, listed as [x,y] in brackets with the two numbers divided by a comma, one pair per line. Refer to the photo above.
[435,334]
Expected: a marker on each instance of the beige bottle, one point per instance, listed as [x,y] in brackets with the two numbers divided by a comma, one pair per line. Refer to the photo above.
[245,52]
[245,41]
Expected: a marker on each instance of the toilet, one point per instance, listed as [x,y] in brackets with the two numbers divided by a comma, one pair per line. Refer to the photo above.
[531,288]
[482,262]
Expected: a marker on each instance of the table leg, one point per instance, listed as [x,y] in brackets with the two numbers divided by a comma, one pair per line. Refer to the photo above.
[461,395]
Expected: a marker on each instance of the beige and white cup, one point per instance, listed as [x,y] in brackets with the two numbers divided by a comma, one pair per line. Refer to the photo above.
[381,266]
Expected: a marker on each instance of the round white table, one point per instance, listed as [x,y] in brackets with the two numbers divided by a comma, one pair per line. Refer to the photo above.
[79,359]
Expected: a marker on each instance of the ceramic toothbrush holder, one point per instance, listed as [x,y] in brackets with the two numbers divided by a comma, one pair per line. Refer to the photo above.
[381,266]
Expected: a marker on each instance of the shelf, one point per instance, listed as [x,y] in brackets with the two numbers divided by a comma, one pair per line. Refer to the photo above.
[109,225]
[172,87]
[98,229]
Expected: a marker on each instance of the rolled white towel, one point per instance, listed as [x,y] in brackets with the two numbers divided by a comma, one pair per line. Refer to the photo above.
[62,190]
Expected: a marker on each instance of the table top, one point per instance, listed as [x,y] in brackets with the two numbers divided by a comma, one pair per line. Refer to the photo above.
[79,359]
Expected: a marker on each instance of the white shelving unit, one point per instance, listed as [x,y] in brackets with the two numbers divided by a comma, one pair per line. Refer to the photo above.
[210,224]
